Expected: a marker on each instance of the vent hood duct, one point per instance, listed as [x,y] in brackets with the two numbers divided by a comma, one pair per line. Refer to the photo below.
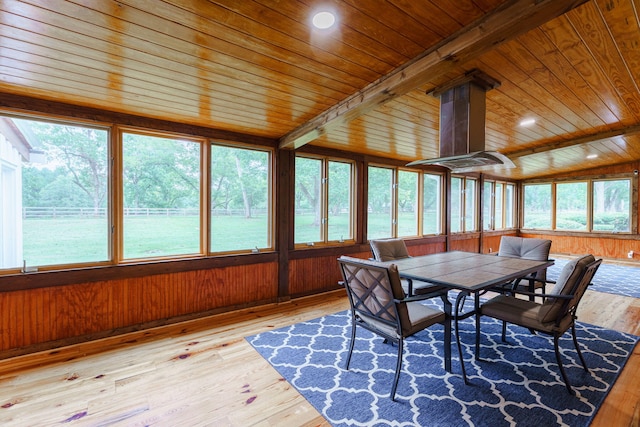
[462,123]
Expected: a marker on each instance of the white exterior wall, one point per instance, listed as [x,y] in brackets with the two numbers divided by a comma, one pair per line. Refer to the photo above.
[10,205]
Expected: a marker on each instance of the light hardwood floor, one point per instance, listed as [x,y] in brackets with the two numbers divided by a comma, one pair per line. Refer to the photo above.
[203,372]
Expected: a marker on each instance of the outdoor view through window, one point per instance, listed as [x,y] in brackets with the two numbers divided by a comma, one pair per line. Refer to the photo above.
[54,193]
[58,182]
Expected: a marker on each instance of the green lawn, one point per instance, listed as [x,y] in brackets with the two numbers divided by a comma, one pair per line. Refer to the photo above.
[78,240]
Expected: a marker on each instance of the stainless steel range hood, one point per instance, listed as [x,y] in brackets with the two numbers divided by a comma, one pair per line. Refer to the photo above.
[462,125]
[477,160]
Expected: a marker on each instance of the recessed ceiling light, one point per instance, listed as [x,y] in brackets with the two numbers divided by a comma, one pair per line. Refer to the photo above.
[592,156]
[527,122]
[323,20]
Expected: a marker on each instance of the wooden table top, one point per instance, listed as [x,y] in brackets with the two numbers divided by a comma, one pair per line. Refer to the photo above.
[466,270]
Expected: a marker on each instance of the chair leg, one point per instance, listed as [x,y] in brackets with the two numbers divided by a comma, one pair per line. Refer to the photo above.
[456,315]
[398,368]
[575,343]
[504,331]
[556,338]
[352,343]
[447,332]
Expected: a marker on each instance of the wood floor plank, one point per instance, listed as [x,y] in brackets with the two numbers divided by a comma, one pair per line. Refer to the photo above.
[204,372]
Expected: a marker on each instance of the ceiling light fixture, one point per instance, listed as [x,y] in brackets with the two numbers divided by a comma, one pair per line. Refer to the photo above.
[592,156]
[323,20]
[527,122]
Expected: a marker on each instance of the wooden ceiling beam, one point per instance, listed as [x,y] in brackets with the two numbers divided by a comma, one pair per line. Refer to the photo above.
[600,136]
[513,18]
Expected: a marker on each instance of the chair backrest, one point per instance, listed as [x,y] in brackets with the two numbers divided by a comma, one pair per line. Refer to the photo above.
[525,247]
[574,279]
[388,249]
[374,289]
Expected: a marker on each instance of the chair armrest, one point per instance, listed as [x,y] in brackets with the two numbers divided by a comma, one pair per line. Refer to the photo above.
[415,298]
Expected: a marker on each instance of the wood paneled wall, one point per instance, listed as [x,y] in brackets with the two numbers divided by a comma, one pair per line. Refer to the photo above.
[317,274]
[491,242]
[91,310]
[601,246]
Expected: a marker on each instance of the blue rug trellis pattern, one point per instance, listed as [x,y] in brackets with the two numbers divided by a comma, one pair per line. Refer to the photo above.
[515,383]
[610,278]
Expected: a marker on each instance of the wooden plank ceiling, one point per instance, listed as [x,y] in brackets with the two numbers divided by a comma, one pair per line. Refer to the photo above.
[257,67]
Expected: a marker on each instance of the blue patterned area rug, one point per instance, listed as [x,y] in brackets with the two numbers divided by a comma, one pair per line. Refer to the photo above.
[610,278]
[515,383]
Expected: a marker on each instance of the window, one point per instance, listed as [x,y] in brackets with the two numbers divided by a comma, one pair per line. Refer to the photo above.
[380,216]
[340,196]
[571,206]
[394,200]
[432,204]
[584,205]
[323,200]
[498,222]
[487,206]
[509,206]
[611,208]
[457,201]
[470,210]
[463,204]
[498,205]
[407,203]
[240,195]
[53,193]
[537,206]
[161,196]
[75,194]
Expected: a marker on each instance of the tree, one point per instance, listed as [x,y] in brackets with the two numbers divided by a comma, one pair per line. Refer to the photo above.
[77,156]
[239,178]
[308,186]
[160,172]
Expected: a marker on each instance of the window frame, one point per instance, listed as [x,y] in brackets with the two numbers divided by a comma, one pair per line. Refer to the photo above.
[114,201]
[463,202]
[89,124]
[441,202]
[206,197]
[325,183]
[118,194]
[590,180]
[499,222]
[419,202]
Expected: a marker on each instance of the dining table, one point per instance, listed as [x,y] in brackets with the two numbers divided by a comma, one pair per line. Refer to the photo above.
[469,273]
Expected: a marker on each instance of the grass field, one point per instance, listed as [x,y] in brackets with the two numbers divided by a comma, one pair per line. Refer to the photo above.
[85,239]
[79,240]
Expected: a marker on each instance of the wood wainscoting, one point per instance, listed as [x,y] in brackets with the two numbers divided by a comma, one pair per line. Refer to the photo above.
[49,317]
[605,246]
